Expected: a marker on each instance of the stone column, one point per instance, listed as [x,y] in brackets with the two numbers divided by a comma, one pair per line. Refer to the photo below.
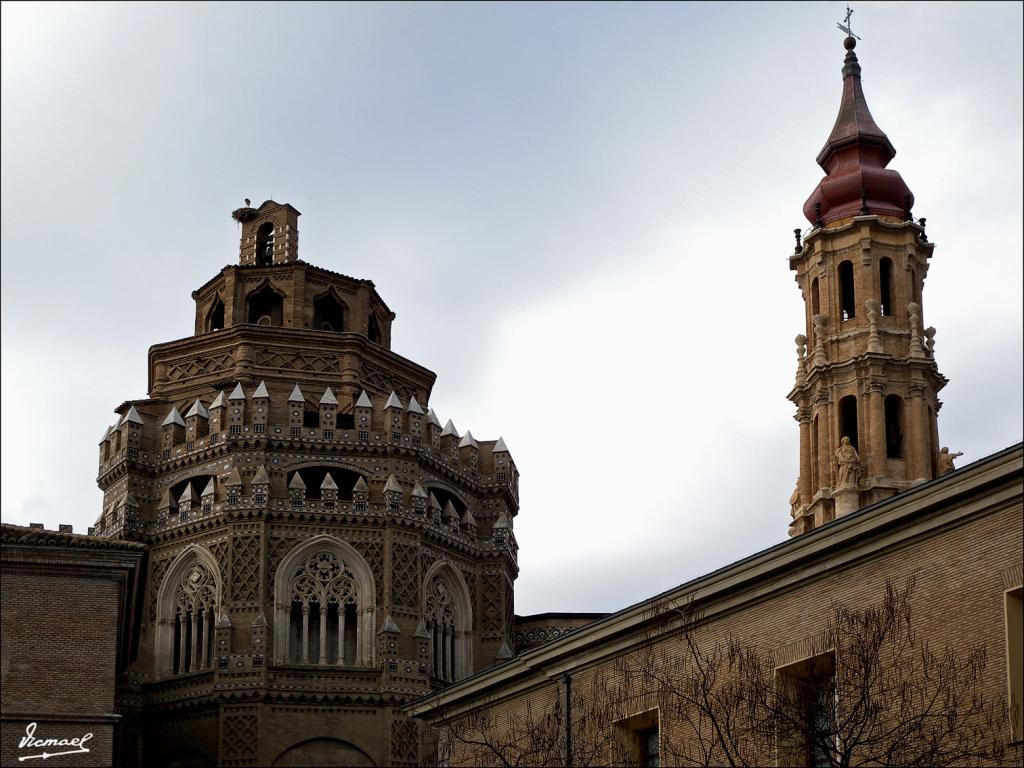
[874,419]
[803,416]
[305,633]
[323,634]
[918,438]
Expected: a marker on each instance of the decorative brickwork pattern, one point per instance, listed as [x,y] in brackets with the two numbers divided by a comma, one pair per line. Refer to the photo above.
[405,740]
[200,365]
[245,568]
[372,551]
[405,582]
[492,604]
[239,735]
[298,361]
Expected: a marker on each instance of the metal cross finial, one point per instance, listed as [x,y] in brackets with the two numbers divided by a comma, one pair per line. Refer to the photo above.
[846,26]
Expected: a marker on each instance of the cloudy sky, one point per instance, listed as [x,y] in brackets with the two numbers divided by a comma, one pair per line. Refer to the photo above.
[580,213]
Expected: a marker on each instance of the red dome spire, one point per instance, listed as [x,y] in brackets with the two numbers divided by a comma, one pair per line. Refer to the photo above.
[854,157]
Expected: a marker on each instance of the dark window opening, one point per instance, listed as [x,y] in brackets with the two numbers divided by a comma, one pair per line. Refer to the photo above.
[215,318]
[373,330]
[443,497]
[265,244]
[848,419]
[847,300]
[198,483]
[805,697]
[650,752]
[310,419]
[328,314]
[815,298]
[266,307]
[915,289]
[894,427]
[346,421]
[313,477]
[885,286]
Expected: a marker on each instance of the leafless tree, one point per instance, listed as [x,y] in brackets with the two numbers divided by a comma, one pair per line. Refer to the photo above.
[869,692]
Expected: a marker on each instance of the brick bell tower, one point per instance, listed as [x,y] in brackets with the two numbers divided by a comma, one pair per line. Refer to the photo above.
[320,550]
[866,383]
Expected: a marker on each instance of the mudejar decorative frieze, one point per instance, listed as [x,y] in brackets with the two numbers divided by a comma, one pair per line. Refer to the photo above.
[314,532]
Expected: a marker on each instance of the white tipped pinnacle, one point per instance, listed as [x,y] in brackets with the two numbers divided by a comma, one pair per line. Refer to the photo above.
[449,511]
[173,418]
[198,409]
[421,631]
[434,503]
[390,626]
[106,436]
[360,486]
[328,484]
[187,494]
[261,477]
[468,441]
[133,416]
[210,489]
[296,396]
[504,652]
[418,492]
[468,519]
[364,400]
[500,447]
[261,392]
[393,401]
[167,501]
[449,429]
[235,478]
[413,406]
[328,398]
[237,393]
[432,418]
[392,485]
[502,521]
[297,483]
[218,401]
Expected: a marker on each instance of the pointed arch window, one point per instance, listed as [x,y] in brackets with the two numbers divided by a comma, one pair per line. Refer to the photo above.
[325,605]
[215,317]
[328,314]
[266,307]
[322,619]
[188,604]
[448,620]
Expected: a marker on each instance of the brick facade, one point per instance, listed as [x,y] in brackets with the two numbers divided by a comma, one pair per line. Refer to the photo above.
[66,609]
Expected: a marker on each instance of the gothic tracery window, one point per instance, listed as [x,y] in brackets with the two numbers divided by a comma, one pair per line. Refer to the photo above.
[323,620]
[445,613]
[195,602]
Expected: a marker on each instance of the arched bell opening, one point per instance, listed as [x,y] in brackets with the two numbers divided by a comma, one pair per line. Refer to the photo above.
[266,307]
[328,314]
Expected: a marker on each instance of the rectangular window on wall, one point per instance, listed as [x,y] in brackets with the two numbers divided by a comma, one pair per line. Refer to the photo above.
[1015,661]
[636,741]
[805,700]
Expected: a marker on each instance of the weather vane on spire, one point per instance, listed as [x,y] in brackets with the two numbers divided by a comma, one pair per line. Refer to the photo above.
[846,26]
